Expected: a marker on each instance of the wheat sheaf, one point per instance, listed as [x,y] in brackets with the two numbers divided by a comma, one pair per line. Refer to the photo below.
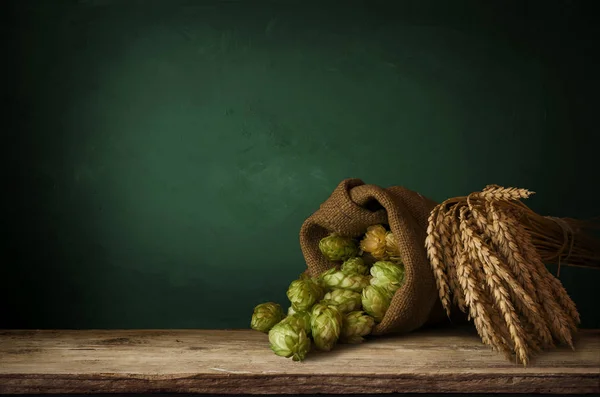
[488,252]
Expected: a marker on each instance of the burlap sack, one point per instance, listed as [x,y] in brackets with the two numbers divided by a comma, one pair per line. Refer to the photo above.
[351,208]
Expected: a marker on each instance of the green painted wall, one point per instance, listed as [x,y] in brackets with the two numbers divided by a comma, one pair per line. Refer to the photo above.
[165,153]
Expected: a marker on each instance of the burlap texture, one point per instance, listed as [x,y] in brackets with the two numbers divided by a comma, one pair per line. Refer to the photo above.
[352,207]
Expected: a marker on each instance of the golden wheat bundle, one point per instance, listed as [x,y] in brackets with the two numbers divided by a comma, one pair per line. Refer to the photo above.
[488,252]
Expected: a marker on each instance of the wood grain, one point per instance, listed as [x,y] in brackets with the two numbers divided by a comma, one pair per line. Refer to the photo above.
[240,362]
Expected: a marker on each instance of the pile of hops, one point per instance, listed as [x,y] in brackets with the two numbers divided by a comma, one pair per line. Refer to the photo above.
[341,305]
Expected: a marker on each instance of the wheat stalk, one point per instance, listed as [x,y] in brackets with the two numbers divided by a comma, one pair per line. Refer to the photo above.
[478,251]
[512,271]
[560,323]
[555,286]
[553,300]
[435,252]
[504,239]
[495,192]
[475,300]
[500,337]
[450,252]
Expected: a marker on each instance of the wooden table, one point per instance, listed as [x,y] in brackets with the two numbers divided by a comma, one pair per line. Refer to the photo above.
[240,361]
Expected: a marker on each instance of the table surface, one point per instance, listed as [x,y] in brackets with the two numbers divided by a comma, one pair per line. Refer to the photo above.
[450,360]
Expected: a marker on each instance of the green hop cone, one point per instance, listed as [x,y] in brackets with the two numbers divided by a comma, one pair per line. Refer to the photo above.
[265,316]
[355,266]
[346,300]
[355,325]
[299,320]
[287,339]
[320,279]
[326,326]
[387,275]
[352,282]
[328,302]
[338,248]
[305,317]
[304,293]
[375,301]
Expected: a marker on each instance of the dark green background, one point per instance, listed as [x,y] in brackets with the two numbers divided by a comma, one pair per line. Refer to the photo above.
[161,156]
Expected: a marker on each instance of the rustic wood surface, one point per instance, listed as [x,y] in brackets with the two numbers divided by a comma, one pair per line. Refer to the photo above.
[240,362]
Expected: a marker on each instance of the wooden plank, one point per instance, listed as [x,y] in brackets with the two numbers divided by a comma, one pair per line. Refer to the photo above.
[240,362]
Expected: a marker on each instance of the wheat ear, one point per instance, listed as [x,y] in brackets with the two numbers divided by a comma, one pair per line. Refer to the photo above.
[479,306]
[447,225]
[495,192]
[477,250]
[559,322]
[435,252]
[517,275]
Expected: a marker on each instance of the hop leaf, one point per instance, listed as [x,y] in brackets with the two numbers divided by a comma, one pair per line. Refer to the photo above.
[352,282]
[326,326]
[355,266]
[375,301]
[265,316]
[355,326]
[304,293]
[338,248]
[345,300]
[387,275]
[374,242]
[289,340]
